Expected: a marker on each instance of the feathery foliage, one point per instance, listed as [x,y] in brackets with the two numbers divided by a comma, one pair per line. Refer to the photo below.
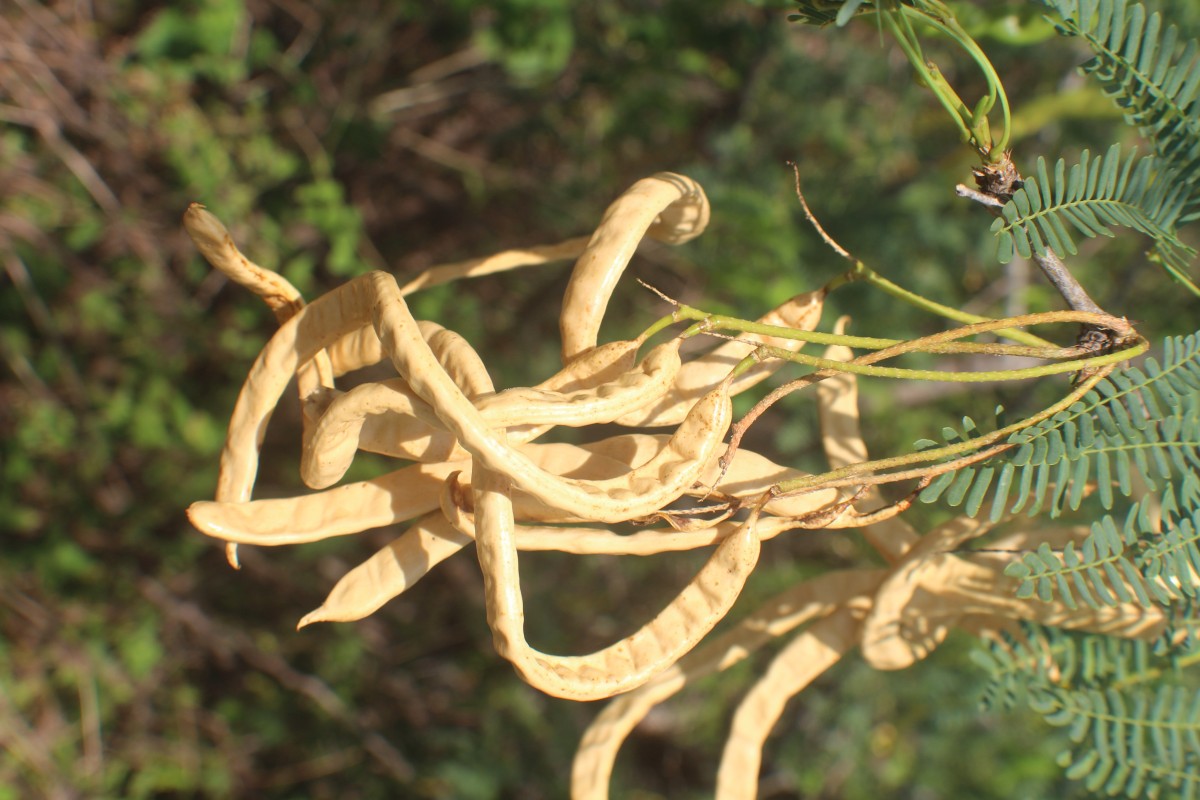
[1136,421]
[1127,737]
[1155,79]
[1149,73]
[1093,195]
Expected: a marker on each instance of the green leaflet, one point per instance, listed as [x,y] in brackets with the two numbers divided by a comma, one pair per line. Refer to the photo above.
[1138,422]
[1154,78]
[1091,197]
[1127,738]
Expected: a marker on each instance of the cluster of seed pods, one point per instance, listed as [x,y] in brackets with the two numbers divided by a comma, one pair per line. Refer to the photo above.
[475,472]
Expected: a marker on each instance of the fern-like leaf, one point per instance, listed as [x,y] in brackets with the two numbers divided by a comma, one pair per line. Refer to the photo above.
[1154,78]
[1148,72]
[1092,196]
[1131,741]
[1137,421]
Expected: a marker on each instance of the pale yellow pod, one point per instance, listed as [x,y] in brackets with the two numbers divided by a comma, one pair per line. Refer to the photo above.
[385,418]
[213,241]
[458,359]
[699,375]
[675,202]
[591,771]
[390,572]
[355,350]
[397,496]
[888,641]
[594,366]
[386,500]
[801,662]
[980,590]
[638,492]
[388,418]
[316,326]
[841,436]
[497,262]
[641,491]
[624,664]
[600,541]
[750,475]
[592,405]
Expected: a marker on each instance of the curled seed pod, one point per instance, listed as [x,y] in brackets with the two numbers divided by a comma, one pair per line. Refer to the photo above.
[497,262]
[386,500]
[384,417]
[356,349]
[594,366]
[391,571]
[458,359]
[641,491]
[316,326]
[750,475]
[314,377]
[598,541]
[681,210]
[812,599]
[803,660]
[887,641]
[586,406]
[213,241]
[699,375]
[624,664]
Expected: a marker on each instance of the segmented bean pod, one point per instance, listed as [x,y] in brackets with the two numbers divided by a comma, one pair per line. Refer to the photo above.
[624,664]
[672,208]
[391,571]
[823,595]
[803,660]
[841,437]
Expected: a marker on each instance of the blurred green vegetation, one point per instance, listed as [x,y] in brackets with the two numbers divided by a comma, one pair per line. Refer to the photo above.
[333,138]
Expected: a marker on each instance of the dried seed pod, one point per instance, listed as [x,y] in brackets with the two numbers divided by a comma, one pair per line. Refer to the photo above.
[391,571]
[458,359]
[598,541]
[627,663]
[386,500]
[888,642]
[670,207]
[641,491]
[356,349]
[815,598]
[384,417]
[213,241]
[589,405]
[497,262]
[803,660]
[594,366]
[401,495]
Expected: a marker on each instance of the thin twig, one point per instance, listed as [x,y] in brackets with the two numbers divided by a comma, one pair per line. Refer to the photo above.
[812,219]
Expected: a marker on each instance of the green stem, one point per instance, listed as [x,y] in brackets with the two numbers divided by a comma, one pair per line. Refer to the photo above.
[945,22]
[934,81]
[938,453]
[861,272]
[984,376]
